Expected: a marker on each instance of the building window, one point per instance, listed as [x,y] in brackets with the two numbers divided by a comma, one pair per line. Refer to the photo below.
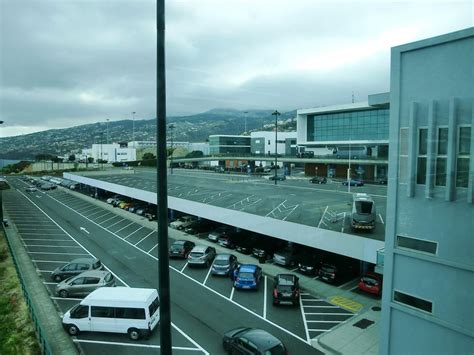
[441,157]
[421,161]
[462,166]
[413,301]
[425,246]
[403,162]
[269,142]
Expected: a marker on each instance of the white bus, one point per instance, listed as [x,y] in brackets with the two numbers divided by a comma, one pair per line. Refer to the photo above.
[134,311]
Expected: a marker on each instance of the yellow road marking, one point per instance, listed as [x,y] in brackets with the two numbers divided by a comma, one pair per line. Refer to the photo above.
[346,303]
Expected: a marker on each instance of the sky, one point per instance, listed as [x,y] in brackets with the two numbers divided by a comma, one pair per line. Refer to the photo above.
[65,63]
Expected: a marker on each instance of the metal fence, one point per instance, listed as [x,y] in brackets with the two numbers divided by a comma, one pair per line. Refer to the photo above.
[42,339]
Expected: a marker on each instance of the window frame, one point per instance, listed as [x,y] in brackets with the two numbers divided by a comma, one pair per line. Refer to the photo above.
[462,156]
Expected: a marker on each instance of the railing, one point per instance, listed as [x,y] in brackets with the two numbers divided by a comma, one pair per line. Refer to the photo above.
[42,340]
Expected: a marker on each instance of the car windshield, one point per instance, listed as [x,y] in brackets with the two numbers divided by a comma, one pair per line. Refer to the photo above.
[285,288]
[364,207]
[196,254]
[370,281]
[221,262]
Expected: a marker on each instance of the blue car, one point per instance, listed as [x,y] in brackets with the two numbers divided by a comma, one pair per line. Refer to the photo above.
[247,276]
[353,182]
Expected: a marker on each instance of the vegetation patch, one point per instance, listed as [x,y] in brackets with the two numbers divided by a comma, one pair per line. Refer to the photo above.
[17,335]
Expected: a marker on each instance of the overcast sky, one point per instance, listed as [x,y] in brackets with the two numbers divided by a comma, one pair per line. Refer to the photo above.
[68,62]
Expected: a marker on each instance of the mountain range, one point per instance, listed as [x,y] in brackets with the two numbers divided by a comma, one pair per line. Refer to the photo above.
[193,128]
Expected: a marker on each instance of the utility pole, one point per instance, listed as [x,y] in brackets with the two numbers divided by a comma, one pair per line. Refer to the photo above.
[276,114]
[133,127]
[107,131]
[162,184]
[171,128]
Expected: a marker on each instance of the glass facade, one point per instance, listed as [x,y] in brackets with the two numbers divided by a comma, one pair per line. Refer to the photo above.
[344,126]
[229,145]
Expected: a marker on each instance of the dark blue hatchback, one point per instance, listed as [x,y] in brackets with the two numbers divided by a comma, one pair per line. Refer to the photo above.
[247,276]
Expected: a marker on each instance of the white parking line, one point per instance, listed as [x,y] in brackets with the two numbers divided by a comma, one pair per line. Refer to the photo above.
[108,219]
[49,240]
[207,276]
[41,252]
[325,321]
[331,314]
[136,345]
[313,300]
[232,293]
[318,330]
[308,339]
[49,283]
[128,225]
[134,232]
[381,219]
[265,297]
[49,261]
[121,220]
[100,210]
[66,298]
[184,267]
[54,246]
[146,236]
[321,306]
[48,271]
[320,221]
[152,248]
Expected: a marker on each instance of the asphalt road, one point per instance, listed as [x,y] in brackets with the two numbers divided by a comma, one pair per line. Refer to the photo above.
[57,227]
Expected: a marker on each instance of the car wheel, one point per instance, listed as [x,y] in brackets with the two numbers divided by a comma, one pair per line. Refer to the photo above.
[276,303]
[73,330]
[63,293]
[133,334]
[57,278]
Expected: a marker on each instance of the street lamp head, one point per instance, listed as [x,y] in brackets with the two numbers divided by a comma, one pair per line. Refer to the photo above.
[276,113]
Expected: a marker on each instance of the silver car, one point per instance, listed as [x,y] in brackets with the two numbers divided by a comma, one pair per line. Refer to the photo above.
[201,255]
[85,283]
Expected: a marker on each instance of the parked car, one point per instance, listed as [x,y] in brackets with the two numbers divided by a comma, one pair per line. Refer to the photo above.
[247,276]
[278,177]
[224,264]
[286,256]
[265,247]
[76,267]
[201,255]
[371,283]
[332,271]
[286,289]
[183,222]
[245,243]
[31,189]
[85,283]
[318,180]
[252,341]
[181,249]
[47,186]
[228,241]
[114,199]
[200,226]
[134,206]
[219,232]
[308,263]
[353,182]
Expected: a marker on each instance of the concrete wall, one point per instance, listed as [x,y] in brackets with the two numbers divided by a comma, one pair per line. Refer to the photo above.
[431,87]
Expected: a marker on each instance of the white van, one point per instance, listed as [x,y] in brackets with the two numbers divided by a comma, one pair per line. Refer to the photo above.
[134,311]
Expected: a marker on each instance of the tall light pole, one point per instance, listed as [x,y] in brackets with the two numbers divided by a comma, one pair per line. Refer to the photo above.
[245,117]
[107,131]
[133,127]
[276,114]
[171,127]
[101,160]
[349,169]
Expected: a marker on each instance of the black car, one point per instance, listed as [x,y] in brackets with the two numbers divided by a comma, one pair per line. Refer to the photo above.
[245,243]
[227,241]
[278,177]
[308,263]
[265,247]
[286,289]
[252,341]
[181,249]
[337,271]
[318,180]
[219,232]
[200,226]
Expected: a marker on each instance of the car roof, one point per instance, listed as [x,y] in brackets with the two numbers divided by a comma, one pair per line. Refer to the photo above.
[223,256]
[248,268]
[93,273]
[179,242]
[286,279]
[261,338]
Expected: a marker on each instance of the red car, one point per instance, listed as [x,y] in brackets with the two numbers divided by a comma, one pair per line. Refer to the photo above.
[371,283]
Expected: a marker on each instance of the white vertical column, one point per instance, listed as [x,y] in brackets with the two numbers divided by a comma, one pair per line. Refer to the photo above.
[451,158]
[431,151]
[412,140]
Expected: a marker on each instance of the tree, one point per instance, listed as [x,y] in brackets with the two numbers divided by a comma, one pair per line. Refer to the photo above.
[72,157]
[90,160]
[170,151]
[195,154]
[148,156]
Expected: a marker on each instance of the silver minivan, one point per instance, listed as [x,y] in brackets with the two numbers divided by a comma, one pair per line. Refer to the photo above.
[85,283]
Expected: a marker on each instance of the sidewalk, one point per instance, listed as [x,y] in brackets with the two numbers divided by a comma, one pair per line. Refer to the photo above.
[343,339]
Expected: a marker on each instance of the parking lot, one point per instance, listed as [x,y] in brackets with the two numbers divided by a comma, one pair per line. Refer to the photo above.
[44,221]
[326,206]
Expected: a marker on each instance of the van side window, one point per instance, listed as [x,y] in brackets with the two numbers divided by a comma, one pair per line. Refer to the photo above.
[82,267]
[78,281]
[70,267]
[91,281]
[80,312]
[102,312]
[130,313]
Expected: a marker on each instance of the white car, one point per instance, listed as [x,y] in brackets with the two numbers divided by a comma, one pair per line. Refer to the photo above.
[183,222]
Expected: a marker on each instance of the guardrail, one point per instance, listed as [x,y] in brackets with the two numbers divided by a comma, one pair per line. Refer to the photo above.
[42,340]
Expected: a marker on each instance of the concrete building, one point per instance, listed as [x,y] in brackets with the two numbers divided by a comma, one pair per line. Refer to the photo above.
[263,143]
[429,253]
[357,131]
[110,153]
